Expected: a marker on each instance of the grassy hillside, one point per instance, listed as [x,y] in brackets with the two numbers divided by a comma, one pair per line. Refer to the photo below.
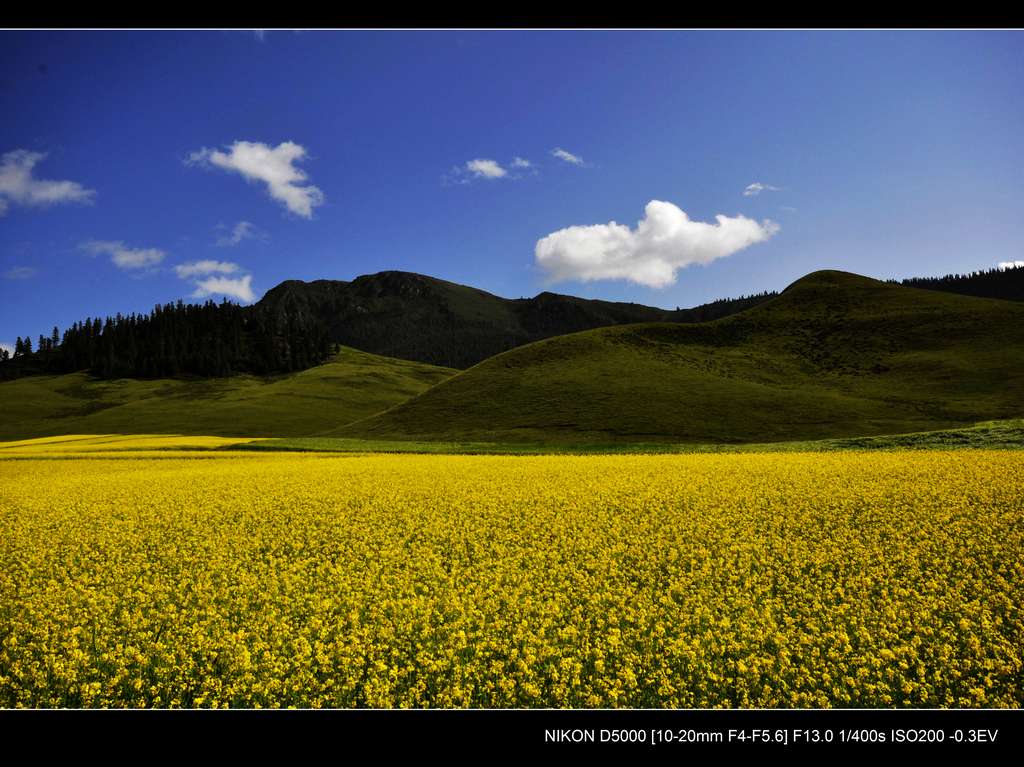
[415,317]
[352,386]
[834,355]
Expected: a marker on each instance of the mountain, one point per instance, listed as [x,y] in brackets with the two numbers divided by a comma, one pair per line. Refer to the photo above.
[396,314]
[294,326]
[834,355]
[414,317]
[350,386]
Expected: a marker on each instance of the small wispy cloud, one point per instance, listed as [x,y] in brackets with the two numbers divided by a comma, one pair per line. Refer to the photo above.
[18,185]
[240,288]
[198,268]
[489,170]
[663,242]
[243,230]
[567,156]
[757,187]
[19,273]
[273,166]
[1004,265]
[124,257]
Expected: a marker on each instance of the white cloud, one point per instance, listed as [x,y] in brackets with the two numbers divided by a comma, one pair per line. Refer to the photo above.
[664,241]
[569,157]
[124,257]
[19,273]
[9,348]
[757,187]
[243,230]
[240,288]
[207,277]
[486,169]
[197,268]
[1011,265]
[19,187]
[274,166]
[489,170]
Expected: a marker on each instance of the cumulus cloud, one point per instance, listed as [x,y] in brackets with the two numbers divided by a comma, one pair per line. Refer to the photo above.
[273,166]
[486,169]
[664,241]
[243,230]
[568,157]
[1004,265]
[18,186]
[124,257]
[19,273]
[240,288]
[208,279]
[198,268]
[757,187]
[519,162]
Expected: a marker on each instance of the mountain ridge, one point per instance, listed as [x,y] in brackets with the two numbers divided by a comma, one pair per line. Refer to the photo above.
[392,313]
[834,355]
[427,319]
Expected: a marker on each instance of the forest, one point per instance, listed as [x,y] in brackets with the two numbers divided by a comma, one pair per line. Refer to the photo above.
[206,339]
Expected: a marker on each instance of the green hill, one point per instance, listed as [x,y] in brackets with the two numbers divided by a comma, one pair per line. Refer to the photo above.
[415,317]
[293,327]
[834,355]
[351,386]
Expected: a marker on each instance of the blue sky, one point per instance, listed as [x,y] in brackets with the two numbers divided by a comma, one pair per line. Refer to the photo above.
[143,167]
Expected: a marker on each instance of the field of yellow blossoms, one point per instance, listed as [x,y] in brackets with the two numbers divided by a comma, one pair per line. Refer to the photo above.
[203,579]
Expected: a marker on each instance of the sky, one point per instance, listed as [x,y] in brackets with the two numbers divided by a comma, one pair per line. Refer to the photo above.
[667,168]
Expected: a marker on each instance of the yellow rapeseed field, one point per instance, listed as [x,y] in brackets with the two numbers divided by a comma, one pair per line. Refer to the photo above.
[106,443]
[800,580]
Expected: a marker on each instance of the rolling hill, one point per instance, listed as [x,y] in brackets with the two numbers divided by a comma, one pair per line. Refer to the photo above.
[294,326]
[414,317]
[834,355]
[352,385]
[396,314]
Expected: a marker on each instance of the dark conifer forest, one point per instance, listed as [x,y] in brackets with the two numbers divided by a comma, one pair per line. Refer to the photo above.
[206,339]
[1007,284]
